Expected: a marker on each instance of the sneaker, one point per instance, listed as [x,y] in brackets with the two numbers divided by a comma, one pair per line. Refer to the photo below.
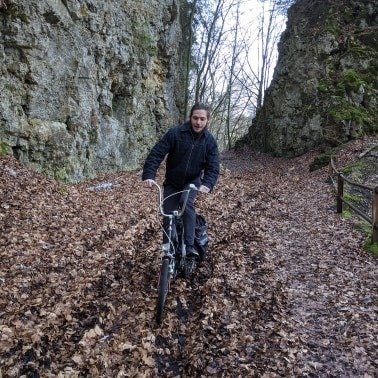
[191,252]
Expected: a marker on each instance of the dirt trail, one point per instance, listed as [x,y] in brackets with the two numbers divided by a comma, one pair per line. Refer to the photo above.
[287,289]
[330,282]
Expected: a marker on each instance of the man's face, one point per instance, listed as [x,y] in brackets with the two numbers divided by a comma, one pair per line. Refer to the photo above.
[198,120]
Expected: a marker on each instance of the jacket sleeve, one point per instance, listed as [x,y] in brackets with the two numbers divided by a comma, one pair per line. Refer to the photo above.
[211,171]
[157,155]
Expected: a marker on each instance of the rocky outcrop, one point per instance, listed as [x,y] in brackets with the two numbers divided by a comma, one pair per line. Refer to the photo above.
[324,89]
[86,86]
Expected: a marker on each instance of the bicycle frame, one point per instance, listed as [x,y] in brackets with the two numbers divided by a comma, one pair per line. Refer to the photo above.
[175,217]
[172,261]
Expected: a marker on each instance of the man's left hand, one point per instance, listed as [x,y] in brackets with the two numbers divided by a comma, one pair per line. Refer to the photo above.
[204,189]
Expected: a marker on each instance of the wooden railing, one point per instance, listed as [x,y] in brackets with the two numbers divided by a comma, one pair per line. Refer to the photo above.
[339,187]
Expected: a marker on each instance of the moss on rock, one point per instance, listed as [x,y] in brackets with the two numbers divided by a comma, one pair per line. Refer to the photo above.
[4,149]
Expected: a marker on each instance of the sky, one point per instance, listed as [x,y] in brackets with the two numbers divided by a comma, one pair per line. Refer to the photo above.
[252,11]
[252,14]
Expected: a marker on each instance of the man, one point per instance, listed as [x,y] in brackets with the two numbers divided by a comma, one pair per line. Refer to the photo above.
[193,158]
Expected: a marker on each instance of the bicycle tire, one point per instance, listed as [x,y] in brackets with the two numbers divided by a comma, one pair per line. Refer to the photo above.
[163,287]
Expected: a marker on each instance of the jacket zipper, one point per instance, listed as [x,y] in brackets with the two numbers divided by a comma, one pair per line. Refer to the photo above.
[190,156]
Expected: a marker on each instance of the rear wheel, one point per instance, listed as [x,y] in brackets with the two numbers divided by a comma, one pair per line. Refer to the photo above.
[163,286]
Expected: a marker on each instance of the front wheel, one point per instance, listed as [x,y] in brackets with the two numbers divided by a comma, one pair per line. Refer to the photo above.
[163,286]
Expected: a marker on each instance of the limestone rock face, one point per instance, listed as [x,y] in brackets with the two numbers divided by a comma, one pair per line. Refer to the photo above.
[324,89]
[86,86]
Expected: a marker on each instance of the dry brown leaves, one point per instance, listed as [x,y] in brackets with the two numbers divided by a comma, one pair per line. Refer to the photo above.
[286,291]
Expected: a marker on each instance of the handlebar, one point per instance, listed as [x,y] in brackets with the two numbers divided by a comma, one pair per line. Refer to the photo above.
[161,199]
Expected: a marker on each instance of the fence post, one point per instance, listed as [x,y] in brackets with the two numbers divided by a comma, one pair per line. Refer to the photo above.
[375,215]
[340,193]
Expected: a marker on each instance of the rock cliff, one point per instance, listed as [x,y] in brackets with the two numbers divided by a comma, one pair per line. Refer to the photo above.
[86,86]
[324,89]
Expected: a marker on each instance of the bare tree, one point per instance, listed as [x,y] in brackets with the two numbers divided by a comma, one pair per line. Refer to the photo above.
[231,77]
[193,8]
[207,50]
[268,37]
[233,62]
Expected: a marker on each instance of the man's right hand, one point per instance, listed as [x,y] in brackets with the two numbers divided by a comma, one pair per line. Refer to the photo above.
[148,183]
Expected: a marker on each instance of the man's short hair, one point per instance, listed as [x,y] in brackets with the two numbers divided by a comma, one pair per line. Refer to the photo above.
[200,106]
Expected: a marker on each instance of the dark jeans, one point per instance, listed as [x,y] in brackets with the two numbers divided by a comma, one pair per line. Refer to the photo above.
[189,217]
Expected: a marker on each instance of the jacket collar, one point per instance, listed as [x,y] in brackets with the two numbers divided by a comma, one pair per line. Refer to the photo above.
[187,127]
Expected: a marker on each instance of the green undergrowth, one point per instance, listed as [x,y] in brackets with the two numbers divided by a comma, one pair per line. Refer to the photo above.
[364,227]
[362,170]
[353,199]
[357,165]
[321,161]
[4,149]
[371,247]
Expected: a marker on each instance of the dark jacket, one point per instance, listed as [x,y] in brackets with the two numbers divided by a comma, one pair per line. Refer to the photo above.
[188,157]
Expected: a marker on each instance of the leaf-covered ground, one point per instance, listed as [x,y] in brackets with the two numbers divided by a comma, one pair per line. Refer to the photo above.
[287,289]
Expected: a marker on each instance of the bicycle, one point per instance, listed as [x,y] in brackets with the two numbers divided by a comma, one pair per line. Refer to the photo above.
[174,261]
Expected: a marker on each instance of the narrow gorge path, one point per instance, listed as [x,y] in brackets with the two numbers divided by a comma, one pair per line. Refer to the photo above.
[330,281]
[287,289]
